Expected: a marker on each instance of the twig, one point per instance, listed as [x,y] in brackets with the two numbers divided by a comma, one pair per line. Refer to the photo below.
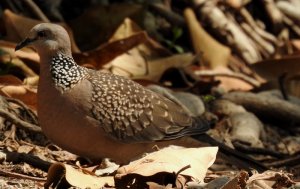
[286,162]
[20,123]
[32,160]
[234,157]
[21,176]
[36,10]
[172,17]
[262,151]
[245,78]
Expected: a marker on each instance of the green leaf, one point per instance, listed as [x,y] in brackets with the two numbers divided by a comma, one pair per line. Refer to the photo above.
[177,33]
[208,98]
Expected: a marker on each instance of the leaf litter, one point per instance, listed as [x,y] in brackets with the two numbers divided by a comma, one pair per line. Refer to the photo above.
[228,55]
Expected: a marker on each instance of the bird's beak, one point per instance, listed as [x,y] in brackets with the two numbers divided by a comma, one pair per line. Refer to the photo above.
[24,43]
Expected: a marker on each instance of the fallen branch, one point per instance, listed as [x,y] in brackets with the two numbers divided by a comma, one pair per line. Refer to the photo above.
[32,160]
[232,156]
[173,18]
[273,109]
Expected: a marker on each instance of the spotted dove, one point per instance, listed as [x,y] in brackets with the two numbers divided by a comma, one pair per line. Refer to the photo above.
[96,114]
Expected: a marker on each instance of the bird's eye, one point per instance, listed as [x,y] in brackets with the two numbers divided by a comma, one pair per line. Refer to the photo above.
[41,34]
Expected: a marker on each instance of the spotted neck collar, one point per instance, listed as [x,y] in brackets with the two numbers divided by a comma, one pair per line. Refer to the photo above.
[65,72]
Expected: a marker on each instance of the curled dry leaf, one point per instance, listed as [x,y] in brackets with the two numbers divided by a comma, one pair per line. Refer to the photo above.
[171,160]
[75,177]
[204,44]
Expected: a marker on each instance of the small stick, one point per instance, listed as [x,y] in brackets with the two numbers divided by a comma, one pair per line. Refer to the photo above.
[285,162]
[263,151]
[21,176]
[172,17]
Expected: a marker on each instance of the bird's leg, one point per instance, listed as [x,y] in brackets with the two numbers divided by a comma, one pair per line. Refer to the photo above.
[282,88]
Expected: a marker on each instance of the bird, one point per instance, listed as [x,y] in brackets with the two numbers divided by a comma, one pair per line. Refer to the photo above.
[101,115]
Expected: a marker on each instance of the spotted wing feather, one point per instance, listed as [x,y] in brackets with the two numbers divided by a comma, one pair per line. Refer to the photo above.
[131,113]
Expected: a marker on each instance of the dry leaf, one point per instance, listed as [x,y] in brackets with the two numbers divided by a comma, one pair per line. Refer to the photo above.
[237,182]
[75,177]
[25,149]
[144,61]
[109,51]
[214,53]
[150,49]
[274,68]
[171,160]
[278,179]
[99,22]
[10,86]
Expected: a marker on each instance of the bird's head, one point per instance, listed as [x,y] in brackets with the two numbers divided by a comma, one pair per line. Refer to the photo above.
[47,38]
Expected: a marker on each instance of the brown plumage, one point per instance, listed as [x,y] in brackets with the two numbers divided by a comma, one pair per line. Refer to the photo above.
[96,114]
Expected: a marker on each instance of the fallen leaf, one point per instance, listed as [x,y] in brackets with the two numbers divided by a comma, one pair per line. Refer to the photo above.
[146,61]
[171,160]
[75,177]
[97,23]
[105,53]
[278,179]
[237,182]
[273,68]
[11,86]
[25,149]
[214,53]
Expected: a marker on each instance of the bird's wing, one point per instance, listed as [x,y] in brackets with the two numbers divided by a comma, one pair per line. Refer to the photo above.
[131,113]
